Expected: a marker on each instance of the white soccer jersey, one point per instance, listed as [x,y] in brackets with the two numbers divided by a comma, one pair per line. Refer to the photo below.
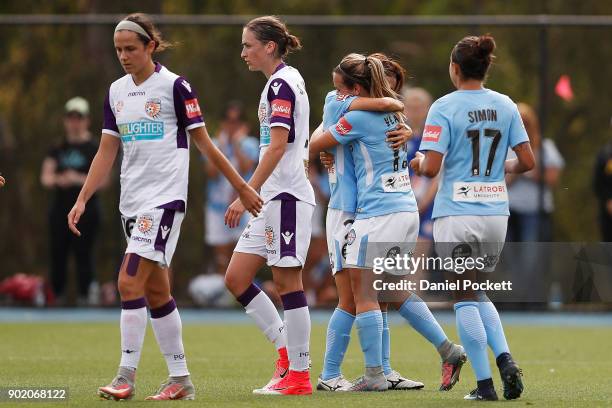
[284,103]
[152,120]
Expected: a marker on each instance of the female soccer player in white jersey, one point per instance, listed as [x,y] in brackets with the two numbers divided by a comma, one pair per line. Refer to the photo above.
[280,236]
[471,130]
[340,216]
[150,112]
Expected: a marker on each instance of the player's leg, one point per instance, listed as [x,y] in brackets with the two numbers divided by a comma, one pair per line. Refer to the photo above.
[369,328]
[288,233]
[338,336]
[248,257]
[338,224]
[168,328]
[496,339]
[454,238]
[133,274]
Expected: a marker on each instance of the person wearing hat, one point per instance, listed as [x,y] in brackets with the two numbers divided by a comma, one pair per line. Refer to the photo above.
[64,171]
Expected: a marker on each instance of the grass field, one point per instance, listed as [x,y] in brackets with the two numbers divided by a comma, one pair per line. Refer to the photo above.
[564,367]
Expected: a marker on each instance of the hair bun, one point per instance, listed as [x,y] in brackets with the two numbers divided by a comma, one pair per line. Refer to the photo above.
[486,44]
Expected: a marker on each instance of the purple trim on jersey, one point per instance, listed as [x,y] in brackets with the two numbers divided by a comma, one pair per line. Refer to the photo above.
[134,304]
[182,94]
[109,122]
[132,266]
[248,295]
[285,196]
[284,92]
[165,223]
[164,310]
[287,228]
[158,66]
[294,300]
[181,138]
[176,205]
[280,66]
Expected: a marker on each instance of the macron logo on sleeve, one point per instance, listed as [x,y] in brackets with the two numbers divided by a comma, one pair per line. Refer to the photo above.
[192,108]
[281,108]
[432,133]
[276,87]
[343,126]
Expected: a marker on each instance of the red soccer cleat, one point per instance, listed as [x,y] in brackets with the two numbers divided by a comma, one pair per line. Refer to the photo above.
[294,383]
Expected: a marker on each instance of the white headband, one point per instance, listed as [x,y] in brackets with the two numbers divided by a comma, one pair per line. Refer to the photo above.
[131,26]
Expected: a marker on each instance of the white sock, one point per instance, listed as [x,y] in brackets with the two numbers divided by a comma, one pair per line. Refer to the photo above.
[133,326]
[168,330]
[297,320]
[259,306]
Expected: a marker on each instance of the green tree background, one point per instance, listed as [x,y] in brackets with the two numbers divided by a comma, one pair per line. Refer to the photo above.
[41,66]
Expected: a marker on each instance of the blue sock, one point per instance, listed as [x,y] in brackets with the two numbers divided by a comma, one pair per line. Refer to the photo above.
[369,327]
[386,345]
[473,337]
[338,337]
[492,324]
[416,312]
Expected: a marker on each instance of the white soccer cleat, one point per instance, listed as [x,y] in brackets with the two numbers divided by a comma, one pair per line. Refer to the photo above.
[397,382]
[334,384]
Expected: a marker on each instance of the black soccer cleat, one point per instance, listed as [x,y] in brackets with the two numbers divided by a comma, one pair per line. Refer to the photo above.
[511,378]
[480,395]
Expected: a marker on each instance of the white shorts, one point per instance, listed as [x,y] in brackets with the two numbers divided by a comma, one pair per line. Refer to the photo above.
[280,233]
[217,233]
[337,225]
[381,237]
[471,236]
[153,234]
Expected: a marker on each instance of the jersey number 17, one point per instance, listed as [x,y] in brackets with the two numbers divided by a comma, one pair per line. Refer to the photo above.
[474,136]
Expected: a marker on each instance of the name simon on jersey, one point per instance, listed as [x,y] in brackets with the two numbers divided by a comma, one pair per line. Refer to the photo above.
[482,115]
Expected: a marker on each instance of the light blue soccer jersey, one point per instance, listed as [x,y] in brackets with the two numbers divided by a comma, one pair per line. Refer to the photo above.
[383,183]
[342,180]
[473,129]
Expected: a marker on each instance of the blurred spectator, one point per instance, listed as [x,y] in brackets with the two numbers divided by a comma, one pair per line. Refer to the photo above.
[318,281]
[529,222]
[417,102]
[64,170]
[243,152]
[603,189]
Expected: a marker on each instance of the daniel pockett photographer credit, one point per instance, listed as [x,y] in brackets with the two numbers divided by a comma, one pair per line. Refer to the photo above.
[467,268]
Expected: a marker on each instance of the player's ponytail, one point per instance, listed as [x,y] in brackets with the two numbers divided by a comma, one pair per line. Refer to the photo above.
[368,72]
[379,86]
[144,21]
[392,69]
[474,56]
[271,28]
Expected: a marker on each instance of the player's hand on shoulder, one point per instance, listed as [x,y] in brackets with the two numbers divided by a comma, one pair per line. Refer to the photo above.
[396,138]
[74,216]
[327,159]
[415,164]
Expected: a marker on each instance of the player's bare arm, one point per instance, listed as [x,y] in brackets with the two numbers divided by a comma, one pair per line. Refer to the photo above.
[524,161]
[98,172]
[272,156]
[248,196]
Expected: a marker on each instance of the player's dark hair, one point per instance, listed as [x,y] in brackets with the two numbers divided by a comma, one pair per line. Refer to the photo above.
[146,23]
[271,28]
[392,69]
[474,56]
[369,72]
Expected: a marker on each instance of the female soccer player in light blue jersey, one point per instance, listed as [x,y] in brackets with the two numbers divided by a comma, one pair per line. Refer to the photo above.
[471,130]
[385,211]
[152,114]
